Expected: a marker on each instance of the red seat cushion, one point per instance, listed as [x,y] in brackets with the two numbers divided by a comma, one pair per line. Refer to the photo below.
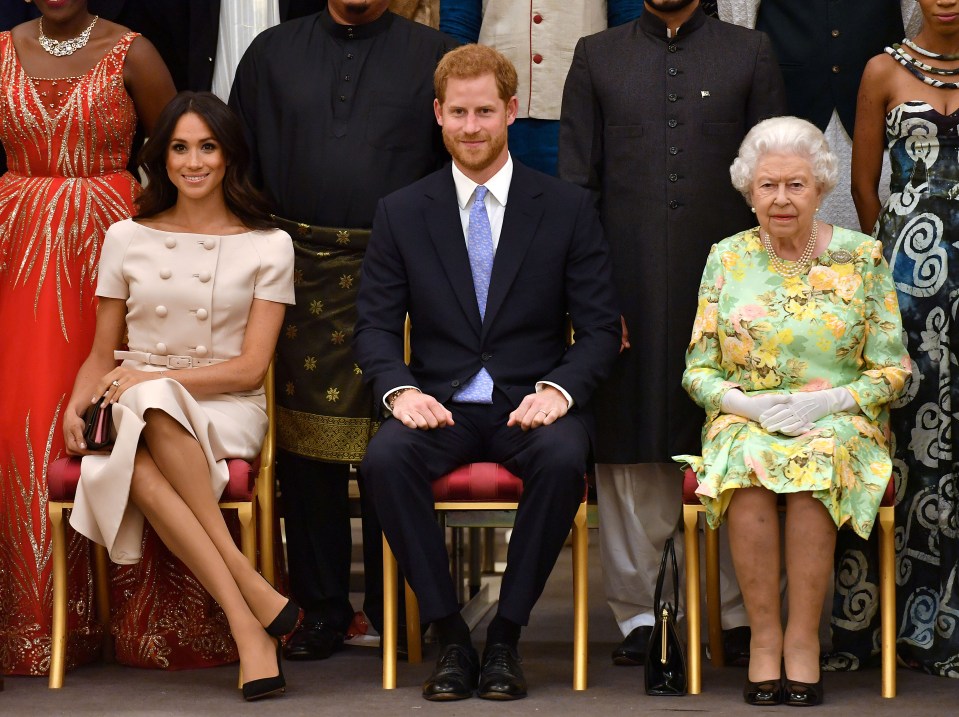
[477,482]
[63,475]
[690,484]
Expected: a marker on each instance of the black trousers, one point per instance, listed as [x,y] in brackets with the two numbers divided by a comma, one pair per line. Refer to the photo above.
[315,504]
[401,463]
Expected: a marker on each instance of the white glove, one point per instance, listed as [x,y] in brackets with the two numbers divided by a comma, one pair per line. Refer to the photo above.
[801,410]
[751,407]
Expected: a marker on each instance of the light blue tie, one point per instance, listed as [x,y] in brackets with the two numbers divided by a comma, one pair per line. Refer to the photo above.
[479,244]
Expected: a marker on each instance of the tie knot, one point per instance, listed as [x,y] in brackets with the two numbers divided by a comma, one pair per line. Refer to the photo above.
[480,193]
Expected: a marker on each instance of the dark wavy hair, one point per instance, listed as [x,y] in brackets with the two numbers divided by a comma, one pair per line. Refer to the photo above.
[243,199]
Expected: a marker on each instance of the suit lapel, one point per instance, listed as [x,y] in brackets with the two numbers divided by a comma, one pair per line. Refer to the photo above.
[522,216]
[446,233]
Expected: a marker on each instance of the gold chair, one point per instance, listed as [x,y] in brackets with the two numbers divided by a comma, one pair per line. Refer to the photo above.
[491,488]
[692,507]
[250,492]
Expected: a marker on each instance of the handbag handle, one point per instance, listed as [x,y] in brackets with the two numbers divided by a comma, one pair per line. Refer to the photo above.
[669,555]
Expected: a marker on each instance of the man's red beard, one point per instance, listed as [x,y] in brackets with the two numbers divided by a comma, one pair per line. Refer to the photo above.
[477,160]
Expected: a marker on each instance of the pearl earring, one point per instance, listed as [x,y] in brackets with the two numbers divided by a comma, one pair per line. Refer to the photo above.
[752,209]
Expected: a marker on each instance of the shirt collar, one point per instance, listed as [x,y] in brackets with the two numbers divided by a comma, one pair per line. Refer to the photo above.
[355,32]
[655,27]
[498,184]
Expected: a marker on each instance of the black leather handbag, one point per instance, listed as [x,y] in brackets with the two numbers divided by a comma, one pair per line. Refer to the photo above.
[665,670]
[98,426]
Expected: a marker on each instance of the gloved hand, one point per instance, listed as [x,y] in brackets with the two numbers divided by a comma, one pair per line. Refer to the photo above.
[801,410]
[751,407]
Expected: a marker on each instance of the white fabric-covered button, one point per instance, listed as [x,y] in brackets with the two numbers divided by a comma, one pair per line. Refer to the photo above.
[165,273]
[161,348]
[209,243]
[170,242]
[161,311]
[204,276]
[201,350]
[201,314]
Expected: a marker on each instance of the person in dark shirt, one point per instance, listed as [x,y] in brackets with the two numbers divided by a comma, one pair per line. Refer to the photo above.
[338,110]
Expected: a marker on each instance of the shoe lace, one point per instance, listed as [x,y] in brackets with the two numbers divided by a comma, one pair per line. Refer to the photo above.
[500,659]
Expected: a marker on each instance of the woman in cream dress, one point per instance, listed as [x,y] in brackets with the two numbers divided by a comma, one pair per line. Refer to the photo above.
[198,282]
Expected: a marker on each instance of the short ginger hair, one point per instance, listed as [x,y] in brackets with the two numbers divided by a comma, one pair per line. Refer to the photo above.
[469,61]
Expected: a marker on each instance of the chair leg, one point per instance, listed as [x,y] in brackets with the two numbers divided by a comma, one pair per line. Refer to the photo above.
[693,617]
[266,506]
[887,598]
[580,598]
[244,512]
[414,640]
[713,600]
[101,577]
[58,646]
[388,640]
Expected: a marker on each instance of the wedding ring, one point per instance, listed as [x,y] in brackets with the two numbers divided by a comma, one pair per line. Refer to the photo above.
[116,383]
[543,412]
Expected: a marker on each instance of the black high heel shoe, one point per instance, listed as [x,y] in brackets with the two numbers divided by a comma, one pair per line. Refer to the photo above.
[266,686]
[803,694]
[766,692]
[286,621]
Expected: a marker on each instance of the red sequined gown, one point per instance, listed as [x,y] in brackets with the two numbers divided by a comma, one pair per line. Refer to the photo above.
[68,143]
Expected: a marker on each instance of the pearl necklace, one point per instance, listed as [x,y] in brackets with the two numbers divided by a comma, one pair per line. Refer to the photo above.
[789,269]
[61,48]
[923,51]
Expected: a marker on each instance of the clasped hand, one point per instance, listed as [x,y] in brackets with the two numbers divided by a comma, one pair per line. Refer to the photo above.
[791,414]
[420,410]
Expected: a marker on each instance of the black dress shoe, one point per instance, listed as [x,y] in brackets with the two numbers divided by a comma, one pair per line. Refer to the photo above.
[313,641]
[501,677]
[632,650]
[736,646]
[454,677]
[767,692]
[803,694]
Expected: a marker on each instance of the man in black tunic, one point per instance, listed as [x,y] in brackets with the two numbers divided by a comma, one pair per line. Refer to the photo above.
[653,115]
[337,108]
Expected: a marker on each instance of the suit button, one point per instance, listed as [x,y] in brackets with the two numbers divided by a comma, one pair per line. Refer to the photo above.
[674,150]
[834,33]
[672,97]
[673,123]
[160,311]
[201,314]
[537,19]
[671,48]
[209,243]
[673,204]
[835,69]
[537,58]
[486,356]
[204,276]
[673,177]
[672,71]
[165,273]
[455,384]
[170,243]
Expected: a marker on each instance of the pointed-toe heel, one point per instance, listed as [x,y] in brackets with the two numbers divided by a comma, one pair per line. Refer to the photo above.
[266,686]
[286,621]
[765,692]
[803,694]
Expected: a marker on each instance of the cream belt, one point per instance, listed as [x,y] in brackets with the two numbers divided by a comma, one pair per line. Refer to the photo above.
[167,360]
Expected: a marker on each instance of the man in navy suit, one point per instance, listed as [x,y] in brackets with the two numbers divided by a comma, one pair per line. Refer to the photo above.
[491,260]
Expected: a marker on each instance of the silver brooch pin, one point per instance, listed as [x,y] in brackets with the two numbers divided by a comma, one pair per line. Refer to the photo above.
[704,93]
[841,257]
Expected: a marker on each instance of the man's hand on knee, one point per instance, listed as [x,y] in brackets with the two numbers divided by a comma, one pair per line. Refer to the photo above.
[420,410]
[539,409]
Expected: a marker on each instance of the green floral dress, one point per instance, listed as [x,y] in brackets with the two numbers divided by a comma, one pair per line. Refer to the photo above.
[836,326]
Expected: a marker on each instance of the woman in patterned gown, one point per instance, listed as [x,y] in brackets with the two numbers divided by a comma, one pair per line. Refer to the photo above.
[69,105]
[795,355]
[908,102]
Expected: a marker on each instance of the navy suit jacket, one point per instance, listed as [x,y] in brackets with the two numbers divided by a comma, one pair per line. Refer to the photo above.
[551,263]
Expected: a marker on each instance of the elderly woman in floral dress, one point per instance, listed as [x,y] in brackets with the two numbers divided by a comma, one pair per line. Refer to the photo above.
[796,353]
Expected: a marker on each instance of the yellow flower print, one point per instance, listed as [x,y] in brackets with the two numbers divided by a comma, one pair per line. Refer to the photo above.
[800,311]
[783,338]
[332,395]
[891,302]
[764,356]
[316,307]
[291,331]
[290,388]
[309,363]
[762,382]
[357,370]
[801,471]
[836,325]
[736,350]
[730,260]
[346,281]
[844,269]
[794,287]
[823,278]
[338,337]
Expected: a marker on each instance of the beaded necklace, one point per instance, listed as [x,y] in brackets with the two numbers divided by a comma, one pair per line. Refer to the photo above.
[926,53]
[62,48]
[913,66]
[789,269]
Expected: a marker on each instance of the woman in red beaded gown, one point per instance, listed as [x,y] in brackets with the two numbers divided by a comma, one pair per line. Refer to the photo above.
[71,90]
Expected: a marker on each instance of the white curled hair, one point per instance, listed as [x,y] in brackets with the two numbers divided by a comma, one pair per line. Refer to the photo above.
[784,135]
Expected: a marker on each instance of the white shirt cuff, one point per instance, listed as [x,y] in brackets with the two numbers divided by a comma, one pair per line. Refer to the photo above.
[569,399]
[387,395]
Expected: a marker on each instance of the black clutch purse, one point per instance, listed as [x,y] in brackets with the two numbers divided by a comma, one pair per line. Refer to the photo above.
[98,426]
[665,670]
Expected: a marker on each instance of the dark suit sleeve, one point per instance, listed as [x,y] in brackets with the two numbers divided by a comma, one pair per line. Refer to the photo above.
[381,311]
[243,101]
[581,127]
[768,96]
[592,307]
